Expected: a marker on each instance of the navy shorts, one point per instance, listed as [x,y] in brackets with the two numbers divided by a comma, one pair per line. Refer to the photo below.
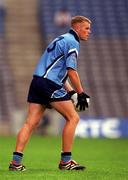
[43,91]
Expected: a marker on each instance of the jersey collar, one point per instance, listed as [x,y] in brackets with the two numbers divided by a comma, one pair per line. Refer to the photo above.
[71,31]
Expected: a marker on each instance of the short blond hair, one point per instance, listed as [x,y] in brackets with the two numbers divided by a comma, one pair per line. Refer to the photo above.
[79,19]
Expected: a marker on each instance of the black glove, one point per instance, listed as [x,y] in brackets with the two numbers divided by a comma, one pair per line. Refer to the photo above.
[82,101]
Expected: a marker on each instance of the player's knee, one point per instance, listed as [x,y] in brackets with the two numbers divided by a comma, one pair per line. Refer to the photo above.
[74,118]
[35,125]
[32,125]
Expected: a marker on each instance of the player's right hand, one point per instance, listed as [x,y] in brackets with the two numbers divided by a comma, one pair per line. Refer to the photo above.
[82,101]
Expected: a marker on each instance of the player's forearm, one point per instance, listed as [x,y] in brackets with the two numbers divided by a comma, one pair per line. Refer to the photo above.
[75,81]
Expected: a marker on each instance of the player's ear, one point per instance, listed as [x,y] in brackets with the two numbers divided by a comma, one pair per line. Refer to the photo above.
[77,27]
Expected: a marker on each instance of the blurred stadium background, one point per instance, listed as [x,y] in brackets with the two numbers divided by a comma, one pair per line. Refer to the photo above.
[27,26]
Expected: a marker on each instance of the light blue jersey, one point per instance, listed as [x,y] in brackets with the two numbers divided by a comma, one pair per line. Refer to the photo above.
[60,55]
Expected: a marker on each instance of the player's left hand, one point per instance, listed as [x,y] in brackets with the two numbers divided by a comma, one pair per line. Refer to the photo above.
[83,101]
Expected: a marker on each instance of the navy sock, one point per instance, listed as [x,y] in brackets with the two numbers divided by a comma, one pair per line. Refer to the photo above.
[66,156]
[17,157]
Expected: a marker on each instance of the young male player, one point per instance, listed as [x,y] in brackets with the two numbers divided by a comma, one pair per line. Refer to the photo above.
[50,88]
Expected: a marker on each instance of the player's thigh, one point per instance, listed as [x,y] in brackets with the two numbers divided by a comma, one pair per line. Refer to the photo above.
[35,112]
[66,109]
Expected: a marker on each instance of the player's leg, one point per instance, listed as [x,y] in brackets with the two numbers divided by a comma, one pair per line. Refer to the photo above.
[35,113]
[67,110]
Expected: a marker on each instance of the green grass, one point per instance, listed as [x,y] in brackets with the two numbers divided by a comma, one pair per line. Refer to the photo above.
[105,159]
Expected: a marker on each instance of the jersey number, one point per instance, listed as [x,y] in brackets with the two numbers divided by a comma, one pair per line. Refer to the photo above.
[53,45]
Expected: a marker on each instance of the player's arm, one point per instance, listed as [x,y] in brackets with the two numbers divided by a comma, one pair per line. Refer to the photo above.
[82,99]
[71,63]
[75,80]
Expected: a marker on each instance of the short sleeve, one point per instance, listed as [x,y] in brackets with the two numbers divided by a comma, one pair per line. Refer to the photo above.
[71,61]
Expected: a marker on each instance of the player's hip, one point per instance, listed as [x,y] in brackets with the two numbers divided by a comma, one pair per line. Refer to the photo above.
[43,91]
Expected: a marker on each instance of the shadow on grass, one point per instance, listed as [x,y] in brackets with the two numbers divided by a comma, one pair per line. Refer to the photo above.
[39,170]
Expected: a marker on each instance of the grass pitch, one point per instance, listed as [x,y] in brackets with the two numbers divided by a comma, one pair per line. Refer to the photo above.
[105,159]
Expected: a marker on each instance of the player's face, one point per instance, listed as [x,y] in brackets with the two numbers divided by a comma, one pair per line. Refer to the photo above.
[84,31]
